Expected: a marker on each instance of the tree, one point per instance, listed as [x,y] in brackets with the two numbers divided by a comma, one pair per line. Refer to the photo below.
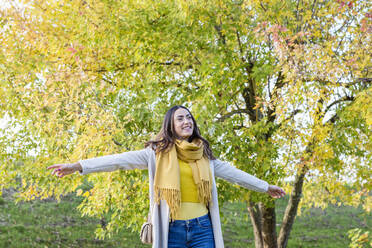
[281,89]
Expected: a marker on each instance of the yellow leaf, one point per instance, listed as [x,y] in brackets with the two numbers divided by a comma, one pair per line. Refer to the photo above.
[79,192]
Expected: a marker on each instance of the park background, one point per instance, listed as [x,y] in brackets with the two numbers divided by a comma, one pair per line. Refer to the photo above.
[281,89]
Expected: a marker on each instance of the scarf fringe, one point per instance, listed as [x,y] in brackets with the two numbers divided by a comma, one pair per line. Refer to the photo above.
[171,196]
[205,192]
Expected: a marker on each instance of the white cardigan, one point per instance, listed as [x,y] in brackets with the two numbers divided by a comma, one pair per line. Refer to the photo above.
[145,159]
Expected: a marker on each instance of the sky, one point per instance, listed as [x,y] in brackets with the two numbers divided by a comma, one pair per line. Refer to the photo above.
[3,122]
[5,4]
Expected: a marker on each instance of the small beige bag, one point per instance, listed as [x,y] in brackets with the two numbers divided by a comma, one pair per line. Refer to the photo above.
[146,231]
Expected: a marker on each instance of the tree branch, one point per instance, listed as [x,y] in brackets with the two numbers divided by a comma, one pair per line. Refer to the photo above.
[222,37]
[121,68]
[249,102]
[333,119]
[249,94]
[263,7]
[364,80]
[279,84]
[343,99]
[347,85]
[240,45]
[234,112]
[117,142]
[297,16]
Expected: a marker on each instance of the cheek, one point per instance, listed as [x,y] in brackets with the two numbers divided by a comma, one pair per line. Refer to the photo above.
[177,127]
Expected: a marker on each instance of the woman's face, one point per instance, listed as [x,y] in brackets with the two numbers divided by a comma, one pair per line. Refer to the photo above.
[183,123]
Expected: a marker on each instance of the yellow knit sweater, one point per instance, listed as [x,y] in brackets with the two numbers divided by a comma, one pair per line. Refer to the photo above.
[190,205]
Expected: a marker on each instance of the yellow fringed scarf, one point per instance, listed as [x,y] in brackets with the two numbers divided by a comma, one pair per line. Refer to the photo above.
[167,175]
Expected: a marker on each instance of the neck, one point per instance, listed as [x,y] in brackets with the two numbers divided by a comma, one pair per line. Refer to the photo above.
[183,138]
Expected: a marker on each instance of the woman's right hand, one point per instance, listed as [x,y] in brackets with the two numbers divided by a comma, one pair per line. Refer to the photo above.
[61,170]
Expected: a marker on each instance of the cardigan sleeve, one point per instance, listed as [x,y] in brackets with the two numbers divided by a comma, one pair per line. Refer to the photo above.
[233,175]
[122,161]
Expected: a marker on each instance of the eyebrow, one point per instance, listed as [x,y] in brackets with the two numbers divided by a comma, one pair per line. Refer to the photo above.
[183,115]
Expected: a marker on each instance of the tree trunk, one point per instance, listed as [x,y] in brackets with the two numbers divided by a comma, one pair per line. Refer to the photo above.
[269,226]
[256,219]
[264,222]
[291,209]
[264,218]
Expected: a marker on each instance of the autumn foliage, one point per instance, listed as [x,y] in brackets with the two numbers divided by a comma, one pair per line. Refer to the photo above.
[280,88]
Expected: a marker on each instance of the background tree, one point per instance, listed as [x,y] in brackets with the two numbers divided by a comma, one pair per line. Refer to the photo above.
[282,89]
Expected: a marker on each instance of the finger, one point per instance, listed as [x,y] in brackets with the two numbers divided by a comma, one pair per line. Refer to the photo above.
[54,166]
[273,194]
[277,194]
[61,171]
[56,171]
[62,174]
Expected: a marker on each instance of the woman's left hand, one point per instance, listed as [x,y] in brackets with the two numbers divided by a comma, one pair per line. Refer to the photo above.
[275,191]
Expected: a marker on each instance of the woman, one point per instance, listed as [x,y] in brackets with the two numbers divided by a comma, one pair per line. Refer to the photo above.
[183,193]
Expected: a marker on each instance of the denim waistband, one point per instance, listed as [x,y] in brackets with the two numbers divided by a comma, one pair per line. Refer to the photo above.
[191,221]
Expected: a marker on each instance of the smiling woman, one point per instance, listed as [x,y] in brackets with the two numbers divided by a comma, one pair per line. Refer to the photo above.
[183,194]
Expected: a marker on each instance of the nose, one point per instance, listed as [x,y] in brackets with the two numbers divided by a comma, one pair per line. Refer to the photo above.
[188,121]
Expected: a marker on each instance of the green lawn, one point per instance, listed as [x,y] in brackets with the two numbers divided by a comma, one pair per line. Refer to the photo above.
[315,228]
[52,224]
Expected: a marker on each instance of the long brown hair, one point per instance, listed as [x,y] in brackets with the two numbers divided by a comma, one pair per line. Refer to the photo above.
[167,136]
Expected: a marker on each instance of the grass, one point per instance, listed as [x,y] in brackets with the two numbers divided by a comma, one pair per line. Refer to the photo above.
[314,228]
[51,224]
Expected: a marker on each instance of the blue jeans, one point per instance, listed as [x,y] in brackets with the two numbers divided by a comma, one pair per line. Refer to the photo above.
[194,233]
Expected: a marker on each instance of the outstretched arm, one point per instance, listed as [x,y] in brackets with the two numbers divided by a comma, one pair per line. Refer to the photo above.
[232,174]
[123,161]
